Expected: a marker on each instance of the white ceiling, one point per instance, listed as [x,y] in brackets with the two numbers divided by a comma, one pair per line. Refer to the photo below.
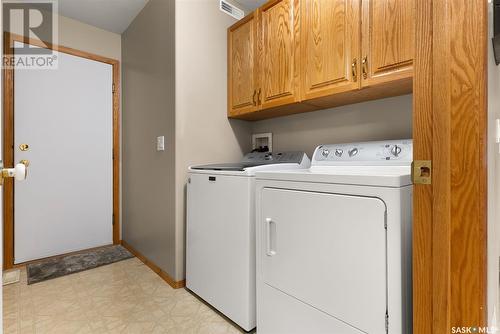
[251,4]
[111,15]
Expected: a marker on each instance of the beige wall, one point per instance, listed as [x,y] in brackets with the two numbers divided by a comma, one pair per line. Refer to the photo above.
[374,120]
[203,132]
[85,37]
[148,49]
[81,36]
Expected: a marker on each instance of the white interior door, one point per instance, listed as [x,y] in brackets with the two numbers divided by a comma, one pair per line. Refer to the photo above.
[66,118]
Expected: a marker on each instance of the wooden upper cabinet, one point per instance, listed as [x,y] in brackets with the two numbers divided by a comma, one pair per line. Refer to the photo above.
[242,84]
[293,56]
[279,53]
[331,52]
[388,31]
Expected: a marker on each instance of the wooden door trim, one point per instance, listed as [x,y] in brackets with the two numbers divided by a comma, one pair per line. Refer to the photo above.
[422,150]
[8,144]
[450,108]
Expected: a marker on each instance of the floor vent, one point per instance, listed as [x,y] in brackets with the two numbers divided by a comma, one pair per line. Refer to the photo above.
[229,9]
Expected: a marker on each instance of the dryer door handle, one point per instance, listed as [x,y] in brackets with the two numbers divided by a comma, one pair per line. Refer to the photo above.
[270,237]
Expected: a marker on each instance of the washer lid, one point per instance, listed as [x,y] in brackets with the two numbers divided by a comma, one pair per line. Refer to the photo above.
[223,167]
[257,161]
[381,176]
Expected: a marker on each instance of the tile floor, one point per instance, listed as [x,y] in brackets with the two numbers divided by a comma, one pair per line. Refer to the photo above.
[124,297]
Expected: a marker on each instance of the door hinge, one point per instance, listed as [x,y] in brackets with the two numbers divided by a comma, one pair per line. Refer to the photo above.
[113,88]
[113,220]
[421,172]
[386,322]
[385,219]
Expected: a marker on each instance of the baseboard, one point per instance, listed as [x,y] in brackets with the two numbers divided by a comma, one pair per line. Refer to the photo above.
[166,277]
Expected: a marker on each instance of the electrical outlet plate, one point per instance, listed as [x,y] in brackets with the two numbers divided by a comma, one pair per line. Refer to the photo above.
[160,143]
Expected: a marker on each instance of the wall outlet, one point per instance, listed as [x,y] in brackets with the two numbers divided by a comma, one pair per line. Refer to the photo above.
[160,143]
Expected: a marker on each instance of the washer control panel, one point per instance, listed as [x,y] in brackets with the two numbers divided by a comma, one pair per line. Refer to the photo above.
[390,152]
[273,158]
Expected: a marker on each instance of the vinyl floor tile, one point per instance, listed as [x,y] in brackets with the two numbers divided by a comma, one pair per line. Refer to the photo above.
[123,297]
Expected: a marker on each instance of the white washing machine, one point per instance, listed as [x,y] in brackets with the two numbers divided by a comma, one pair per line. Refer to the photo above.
[220,255]
[334,242]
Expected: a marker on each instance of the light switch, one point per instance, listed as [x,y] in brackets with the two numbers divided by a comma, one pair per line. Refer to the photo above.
[160,143]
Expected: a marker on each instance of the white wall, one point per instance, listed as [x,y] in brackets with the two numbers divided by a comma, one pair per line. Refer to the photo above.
[493,181]
[203,132]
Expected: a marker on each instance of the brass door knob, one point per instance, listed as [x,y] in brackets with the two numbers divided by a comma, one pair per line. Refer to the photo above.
[24,147]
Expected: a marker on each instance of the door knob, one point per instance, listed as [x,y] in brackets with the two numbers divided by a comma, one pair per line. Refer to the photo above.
[19,172]
[24,147]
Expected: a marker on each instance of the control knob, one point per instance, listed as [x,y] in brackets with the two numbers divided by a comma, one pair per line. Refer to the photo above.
[352,152]
[339,152]
[396,150]
[325,152]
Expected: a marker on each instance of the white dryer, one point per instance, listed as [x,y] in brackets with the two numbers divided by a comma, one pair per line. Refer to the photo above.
[334,243]
[220,254]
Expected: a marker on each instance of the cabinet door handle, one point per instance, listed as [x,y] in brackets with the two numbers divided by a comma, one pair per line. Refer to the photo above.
[365,67]
[253,98]
[354,66]
[258,96]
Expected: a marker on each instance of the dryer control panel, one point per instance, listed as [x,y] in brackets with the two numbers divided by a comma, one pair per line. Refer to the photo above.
[376,153]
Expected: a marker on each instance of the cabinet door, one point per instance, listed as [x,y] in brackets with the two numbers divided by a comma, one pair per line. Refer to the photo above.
[280,30]
[241,66]
[388,36]
[331,39]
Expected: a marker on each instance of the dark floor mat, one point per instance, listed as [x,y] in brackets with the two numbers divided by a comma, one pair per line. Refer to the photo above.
[57,267]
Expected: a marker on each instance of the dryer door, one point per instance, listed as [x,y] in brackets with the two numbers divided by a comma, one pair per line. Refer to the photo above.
[329,252]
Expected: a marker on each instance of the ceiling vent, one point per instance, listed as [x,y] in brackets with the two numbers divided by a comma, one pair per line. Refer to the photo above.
[229,9]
